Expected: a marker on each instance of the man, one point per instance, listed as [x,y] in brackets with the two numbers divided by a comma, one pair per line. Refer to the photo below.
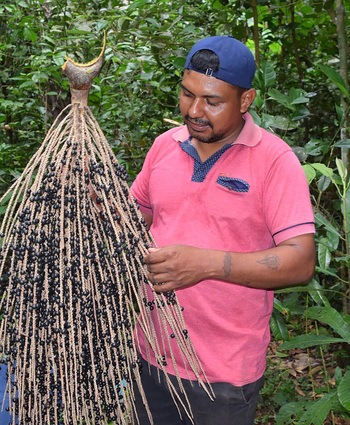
[228,205]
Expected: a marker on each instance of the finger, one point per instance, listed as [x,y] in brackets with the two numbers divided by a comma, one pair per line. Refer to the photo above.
[156,279]
[150,276]
[164,287]
[153,256]
[156,268]
[153,249]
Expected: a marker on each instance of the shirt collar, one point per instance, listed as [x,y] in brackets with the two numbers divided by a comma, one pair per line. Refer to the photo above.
[249,136]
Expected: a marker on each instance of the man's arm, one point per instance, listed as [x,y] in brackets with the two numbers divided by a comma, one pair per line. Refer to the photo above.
[290,263]
[148,218]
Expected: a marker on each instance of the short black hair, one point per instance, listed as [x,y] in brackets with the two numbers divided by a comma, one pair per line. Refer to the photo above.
[205,59]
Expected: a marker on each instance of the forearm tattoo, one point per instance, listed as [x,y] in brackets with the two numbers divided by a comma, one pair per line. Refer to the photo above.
[272,262]
[227,265]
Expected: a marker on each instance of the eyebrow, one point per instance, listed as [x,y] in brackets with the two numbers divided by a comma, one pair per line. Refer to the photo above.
[207,96]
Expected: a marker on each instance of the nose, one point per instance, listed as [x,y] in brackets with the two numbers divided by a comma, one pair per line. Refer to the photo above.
[196,108]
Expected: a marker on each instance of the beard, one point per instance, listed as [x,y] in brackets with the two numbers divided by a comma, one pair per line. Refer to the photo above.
[214,137]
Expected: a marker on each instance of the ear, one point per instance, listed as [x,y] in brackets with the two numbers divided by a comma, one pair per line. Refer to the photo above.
[247,99]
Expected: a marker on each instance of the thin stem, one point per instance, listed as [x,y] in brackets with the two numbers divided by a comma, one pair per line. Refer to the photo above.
[326,375]
[307,350]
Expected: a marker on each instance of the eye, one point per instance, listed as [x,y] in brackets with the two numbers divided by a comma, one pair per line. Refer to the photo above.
[186,93]
[211,103]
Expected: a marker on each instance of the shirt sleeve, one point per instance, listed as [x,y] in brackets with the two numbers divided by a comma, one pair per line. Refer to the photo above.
[140,187]
[287,203]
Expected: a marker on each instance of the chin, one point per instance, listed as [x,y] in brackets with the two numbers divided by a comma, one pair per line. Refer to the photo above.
[210,139]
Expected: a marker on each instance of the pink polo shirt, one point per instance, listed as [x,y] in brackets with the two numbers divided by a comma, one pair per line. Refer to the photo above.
[249,196]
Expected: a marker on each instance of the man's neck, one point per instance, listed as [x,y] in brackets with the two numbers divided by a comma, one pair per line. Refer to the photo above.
[206,150]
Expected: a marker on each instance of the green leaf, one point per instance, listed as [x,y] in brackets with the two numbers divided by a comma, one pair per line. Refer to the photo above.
[124,23]
[313,147]
[100,25]
[317,411]
[78,32]
[301,99]
[267,120]
[326,171]
[258,100]
[345,207]
[324,253]
[323,183]
[28,83]
[340,113]
[179,62]
[278,305]
[217,5]
[327,272]
[275,47]
[341,169]
[297,96]
[310,340]
[6,103]
[39,76]
[281,98]
[264,77]
[153,22]
[256,118]
[343,143]
[332,241]
[321,220]
[278,326]
[4,200]
[331,317]
[49,39]
[137,4]
[30,35]
[282,123]
[59,58]
[168,25]
[344,391]
[306,9]
[10,9]
[268,73]
[309,172]
[308,288]
[317,293]
[288,412]
[300,113]
[335,77]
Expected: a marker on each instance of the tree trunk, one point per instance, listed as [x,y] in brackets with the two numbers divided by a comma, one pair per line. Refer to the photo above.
[256,32]
[344,102]
[295,47]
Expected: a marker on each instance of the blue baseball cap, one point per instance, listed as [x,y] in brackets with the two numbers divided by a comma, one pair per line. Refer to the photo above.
[237,64]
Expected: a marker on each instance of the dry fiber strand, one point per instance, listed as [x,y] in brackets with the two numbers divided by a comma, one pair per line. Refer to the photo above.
[74,280]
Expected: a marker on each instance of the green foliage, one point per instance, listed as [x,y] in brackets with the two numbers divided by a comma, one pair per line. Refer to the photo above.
[147,45]
[333,254]
[333,250]
[307,413]
[335,78]
[136,96]
[344,391]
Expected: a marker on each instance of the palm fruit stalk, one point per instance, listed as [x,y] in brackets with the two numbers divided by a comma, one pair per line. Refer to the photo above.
[74,282]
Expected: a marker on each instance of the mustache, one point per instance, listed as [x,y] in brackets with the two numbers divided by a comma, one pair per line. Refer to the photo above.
[198,121]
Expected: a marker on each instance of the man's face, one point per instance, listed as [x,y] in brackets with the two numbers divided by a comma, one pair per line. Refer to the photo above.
[211,108]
